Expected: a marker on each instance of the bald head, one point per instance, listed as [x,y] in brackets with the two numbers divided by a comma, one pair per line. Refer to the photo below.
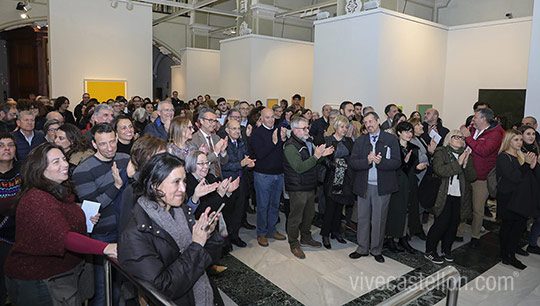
[267,117]
[431,116]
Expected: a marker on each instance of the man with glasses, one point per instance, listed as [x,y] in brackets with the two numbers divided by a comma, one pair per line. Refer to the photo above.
[78,109]
[160,126]
[299,168]
[217,148]
[375,158]
[244,112]
[239,162]
[8,121]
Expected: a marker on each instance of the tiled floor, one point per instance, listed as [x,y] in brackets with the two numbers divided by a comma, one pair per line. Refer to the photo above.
[273,276]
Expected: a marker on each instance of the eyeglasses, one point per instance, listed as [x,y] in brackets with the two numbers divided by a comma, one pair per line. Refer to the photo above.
[211,120]
[206,163]
[191,127]
[244,108]
[306,128]
[52,129]
[458,137]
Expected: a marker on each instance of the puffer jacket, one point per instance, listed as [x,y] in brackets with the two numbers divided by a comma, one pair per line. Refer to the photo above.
[149,253]
[445,168]
[485,149]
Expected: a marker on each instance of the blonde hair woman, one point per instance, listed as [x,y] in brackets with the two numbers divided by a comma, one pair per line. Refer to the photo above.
[180,132]
[517,194]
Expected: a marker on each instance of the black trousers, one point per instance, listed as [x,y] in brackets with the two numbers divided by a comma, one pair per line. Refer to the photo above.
[331,217]
[512,227]
[235,210]
[444,228]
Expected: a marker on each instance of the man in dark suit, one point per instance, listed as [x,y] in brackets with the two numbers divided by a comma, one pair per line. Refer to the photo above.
[27,138]
[217,148]
[390,110]
[375,158]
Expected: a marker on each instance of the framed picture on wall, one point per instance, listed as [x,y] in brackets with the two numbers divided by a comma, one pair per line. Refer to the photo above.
[103,90]
[271,102]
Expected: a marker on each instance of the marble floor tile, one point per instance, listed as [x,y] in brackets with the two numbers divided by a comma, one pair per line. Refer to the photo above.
[324,277]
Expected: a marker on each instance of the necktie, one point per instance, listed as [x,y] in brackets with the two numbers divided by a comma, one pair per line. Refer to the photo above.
[216,164]
[374,138]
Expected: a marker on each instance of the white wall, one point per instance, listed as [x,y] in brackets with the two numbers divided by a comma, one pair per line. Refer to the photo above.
[532,103]
[117,46]
[411,64]
[461,12]
[235,69]
[198,74]
[255,67]
[394,58]
[483,56]
[346,65]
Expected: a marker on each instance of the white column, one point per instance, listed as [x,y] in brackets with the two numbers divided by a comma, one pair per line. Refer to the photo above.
[532,100]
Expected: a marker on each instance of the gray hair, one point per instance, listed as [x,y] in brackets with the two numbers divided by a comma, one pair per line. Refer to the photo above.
[486,113]
[275,107]
[334,112]
[374,114]
[161,103]
[101,107]
[139,113]
[367,109]
[25,112]
[296,121]
[191,160]
[49,123]
[204,111]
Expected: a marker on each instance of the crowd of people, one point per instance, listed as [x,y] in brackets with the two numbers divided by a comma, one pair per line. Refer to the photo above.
[175,181]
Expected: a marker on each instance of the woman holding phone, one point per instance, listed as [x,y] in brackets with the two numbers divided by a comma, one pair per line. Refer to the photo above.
[164,244]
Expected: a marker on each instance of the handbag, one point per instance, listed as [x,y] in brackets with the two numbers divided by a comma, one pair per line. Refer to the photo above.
[429,188]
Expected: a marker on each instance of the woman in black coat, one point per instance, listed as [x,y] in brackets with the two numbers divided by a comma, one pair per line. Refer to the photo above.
[530,144]
[517,194]
[164,244]
[403,210]
[337,181]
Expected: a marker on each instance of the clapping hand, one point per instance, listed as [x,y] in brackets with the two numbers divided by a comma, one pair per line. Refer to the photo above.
[199,234]
[421,166]
[116,176]
[408,156]
[233,185]
[378,158]
[204,148]
[203,189]
[223,186]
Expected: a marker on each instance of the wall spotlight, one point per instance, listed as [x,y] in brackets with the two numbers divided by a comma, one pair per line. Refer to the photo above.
[114,3]
[509,15]
[24,6]
[129,5]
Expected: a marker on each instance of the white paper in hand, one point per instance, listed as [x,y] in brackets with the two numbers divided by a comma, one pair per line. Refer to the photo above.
[90,209]
[435,136]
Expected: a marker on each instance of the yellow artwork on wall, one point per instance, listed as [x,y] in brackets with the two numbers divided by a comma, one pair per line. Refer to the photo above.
[271,102]
[103,90]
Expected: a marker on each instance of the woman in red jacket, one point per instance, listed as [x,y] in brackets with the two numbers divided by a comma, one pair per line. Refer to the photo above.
[45,265]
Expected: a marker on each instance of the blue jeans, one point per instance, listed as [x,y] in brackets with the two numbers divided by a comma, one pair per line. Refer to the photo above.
[28,292]
[268,188]
[99,274]
[535,232]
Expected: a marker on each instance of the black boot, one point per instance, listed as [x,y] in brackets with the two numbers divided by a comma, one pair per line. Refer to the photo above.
[392,246]
[326,242]
[405,244]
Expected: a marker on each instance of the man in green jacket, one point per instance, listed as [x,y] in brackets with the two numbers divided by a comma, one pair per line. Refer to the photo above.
[299,166]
